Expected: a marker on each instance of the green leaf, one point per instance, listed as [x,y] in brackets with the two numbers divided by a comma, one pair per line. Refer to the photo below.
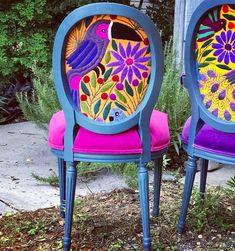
[207,52]
[210,59]
[229,17]
[84,107]
[120,106]
[196,53]
[114,45]
[120,96]
[224,67]
[203,65]
[129,89]
[140,87]
[97,106]
[106,111]
[207,43]
[176,147]
[107,57]
[93,80]
[106,87]
[107,74]
[85,89]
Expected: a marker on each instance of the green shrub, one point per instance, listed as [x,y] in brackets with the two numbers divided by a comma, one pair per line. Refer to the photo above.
[162,13]
[27,31]
[173,98]
[43,102]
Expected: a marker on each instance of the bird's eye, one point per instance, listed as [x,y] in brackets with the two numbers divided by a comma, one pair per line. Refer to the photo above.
[103,30]
[116,113]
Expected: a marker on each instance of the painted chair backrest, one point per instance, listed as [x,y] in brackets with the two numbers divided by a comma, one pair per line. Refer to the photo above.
[108,68]
[210,64]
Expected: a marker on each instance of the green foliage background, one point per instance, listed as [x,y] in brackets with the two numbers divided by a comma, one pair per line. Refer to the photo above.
[27,31]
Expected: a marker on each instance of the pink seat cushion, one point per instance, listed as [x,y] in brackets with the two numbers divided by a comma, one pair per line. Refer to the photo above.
[127,142]
[211,140]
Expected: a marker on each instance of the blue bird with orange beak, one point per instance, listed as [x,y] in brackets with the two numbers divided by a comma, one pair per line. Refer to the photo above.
[90,52]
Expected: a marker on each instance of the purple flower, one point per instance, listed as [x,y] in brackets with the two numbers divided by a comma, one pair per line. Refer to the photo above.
[112,96]
[211,74]
[214,87]
[227,115]
[135,82]
[130,61]
[232,106]
[222,95]
[215,112]
[120,86]
[225,48]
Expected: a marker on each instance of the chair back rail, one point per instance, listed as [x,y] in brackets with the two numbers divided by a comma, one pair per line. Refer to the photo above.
[108,70]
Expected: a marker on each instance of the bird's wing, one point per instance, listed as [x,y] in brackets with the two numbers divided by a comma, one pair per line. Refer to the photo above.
[85,53]
[231,77]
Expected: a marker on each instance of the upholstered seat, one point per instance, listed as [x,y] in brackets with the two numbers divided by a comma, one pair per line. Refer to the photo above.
[211,140]
[127,142]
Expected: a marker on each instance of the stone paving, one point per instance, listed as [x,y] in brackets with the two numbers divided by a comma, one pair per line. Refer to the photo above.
[24,150]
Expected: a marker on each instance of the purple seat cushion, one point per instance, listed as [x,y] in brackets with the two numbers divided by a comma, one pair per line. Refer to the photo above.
[211,140]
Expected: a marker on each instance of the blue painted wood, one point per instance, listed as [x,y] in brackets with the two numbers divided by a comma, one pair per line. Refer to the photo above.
[62,184]
[204,169]
[144,203]
[191,169]
[157,185]
[70,194]
[111,158]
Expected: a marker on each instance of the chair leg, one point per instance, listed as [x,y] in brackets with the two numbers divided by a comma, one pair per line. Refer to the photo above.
[70,194]
[188,185]
[157,185]
[204,169]
[62,184]
[144,203]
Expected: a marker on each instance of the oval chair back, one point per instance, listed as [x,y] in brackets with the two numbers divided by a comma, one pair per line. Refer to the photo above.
[108,70]
[210,79]
[210,66]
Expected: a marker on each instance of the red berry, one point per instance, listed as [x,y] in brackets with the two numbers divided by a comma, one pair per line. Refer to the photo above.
[231,25]
[86,79]
[104,95]
[225,8]
[113,17]
[146,41]
[85,114]
[115,78]
[83,97]
[100,81]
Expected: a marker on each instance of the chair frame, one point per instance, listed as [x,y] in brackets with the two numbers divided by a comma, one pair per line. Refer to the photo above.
[200,115]
[67,159]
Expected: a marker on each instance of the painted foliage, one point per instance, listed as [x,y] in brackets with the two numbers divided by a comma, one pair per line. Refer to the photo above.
[215,53]
[107,63]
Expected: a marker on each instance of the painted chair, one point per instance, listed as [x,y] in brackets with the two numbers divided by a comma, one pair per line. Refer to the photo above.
[210,79]
[108,69]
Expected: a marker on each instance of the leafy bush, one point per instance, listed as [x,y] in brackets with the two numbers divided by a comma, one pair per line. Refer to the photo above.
[27,31]
[162,13]
[43,102]
[173,97]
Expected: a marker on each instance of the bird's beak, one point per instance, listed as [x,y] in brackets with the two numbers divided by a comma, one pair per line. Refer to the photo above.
[122,31]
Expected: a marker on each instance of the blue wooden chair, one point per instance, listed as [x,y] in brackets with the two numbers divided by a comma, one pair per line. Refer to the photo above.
[108,69]
[210,79]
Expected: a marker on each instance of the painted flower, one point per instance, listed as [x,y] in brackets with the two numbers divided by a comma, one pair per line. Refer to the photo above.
[130,61]
[225,48]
